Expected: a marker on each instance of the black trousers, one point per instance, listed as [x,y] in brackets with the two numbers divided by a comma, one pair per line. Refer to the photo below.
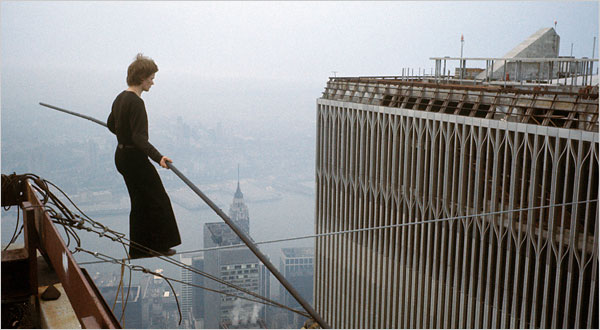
[151,220]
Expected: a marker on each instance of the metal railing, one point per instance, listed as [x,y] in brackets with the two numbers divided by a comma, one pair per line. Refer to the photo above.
[566,71]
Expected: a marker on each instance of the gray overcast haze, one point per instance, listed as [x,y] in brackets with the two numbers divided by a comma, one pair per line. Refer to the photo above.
[237,84]
[75,54]
[278,40]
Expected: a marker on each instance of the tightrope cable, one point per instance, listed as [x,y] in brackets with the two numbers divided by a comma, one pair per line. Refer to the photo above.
[391,226]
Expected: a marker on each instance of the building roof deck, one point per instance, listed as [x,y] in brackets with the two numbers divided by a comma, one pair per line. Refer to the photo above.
[550,105]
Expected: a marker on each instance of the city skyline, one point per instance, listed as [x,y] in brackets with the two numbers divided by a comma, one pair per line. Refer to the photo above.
[238,83]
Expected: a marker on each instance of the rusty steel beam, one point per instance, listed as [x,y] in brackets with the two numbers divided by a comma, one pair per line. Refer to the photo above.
[88,305]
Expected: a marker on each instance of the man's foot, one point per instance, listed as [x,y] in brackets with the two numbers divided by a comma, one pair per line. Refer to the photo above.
[166,253]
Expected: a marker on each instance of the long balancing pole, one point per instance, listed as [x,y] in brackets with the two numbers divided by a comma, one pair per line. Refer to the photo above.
[230,223]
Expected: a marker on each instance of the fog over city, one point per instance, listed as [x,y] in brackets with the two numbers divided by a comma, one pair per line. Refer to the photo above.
[237,85]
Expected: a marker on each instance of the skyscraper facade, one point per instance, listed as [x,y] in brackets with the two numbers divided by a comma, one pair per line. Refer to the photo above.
[297,267]
[458,206]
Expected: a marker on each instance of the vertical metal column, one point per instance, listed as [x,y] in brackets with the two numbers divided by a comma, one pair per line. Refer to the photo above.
[504,75]
[31,240]
[593,54]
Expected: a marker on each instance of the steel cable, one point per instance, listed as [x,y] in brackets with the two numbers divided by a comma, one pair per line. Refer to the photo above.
[69,222]
[391,226]
[107,258]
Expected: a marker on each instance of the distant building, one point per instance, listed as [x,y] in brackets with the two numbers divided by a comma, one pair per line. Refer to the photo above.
[238,211]
[297,267]
[198,293]
[133,307]
[186,290]
[238,266]
[192,296]
[159,308]
[92,155]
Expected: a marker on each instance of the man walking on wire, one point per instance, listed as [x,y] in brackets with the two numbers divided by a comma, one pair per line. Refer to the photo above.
[152,227]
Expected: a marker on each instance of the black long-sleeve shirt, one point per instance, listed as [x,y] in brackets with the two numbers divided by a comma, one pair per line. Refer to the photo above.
[129,121]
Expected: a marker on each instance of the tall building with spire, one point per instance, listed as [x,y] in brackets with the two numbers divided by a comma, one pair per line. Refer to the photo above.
[238,211]
[237,265]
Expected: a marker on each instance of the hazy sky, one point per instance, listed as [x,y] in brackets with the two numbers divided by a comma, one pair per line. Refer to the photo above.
[276,40]
[85,47]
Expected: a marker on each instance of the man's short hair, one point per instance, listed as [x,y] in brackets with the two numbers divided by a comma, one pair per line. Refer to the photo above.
[141,68]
